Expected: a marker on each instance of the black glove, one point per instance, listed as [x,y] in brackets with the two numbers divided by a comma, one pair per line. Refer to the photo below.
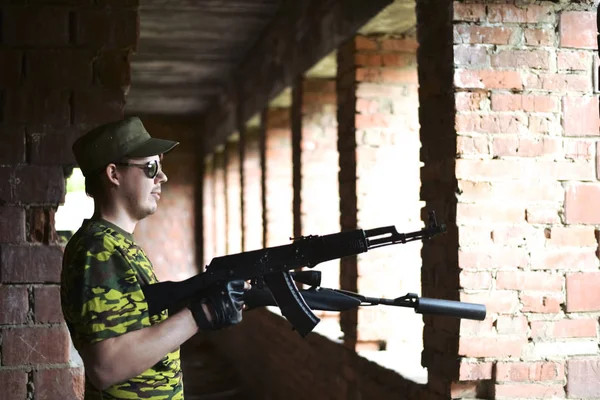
[224,302]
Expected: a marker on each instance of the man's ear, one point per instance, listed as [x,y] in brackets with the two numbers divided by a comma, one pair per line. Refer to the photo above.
[112,174]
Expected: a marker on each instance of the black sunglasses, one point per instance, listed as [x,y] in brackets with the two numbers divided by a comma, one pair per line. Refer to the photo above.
[151,168]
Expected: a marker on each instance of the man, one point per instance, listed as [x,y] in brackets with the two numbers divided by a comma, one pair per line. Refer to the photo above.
[128,353]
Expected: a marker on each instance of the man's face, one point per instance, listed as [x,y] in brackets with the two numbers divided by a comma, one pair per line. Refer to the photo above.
[140,193]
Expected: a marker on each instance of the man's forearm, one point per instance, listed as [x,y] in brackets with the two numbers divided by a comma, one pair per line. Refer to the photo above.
[118,359]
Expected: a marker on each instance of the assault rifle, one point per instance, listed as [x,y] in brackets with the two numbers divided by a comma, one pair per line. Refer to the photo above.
[270,267]
[324,299]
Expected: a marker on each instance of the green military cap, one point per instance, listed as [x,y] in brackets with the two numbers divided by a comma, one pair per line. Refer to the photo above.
[116,140]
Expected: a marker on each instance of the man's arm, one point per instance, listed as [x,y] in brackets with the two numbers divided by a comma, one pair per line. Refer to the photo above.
[120,358]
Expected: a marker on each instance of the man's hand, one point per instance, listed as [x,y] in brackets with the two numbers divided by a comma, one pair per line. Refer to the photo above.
[220,306]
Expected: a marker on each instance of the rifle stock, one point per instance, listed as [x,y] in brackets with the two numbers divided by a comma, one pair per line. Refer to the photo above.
[271,267]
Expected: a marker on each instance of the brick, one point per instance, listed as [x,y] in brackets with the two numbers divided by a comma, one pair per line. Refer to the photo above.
[35,345]
[475,34]
[468,12]
[495,257]
[578,30]
[529,280]
[475,280]
[471,56]
[37,107]
[14,303]
[541,302]
[378,75]
[576,236]
[466,145]
[497,301]
[470,371]
[490,346]
[526,147]
[524,168]
[491,123]
[563,348]
[368,60]
[93,27]
[531,59]
[119,3]
[37,26]
[564,259]
[37,184]
[581,292]
[583,380]
[542,215]
[52,146]
[514,235]
[61,2]
[97,106]
[580,203]
[529,390]
[528,103]
[557,82]
[566,328]
[15,218]
[125,29]
[513,14]
[61,383]
[529,371]
[117,29]
[10,68]
[578,149]
[511,325]
[545,125]
[7,185]
[365,43]
[41,225]
[526,190]
[404,45]
[539,37]
[485,79]
[12,144]
[401,60]
[472,236]
[580,116]
[112,68]
[573,60]
[469,101]
[46,68]
[13,384]
[473,327]
[489,213]
[30,264]
[47,308]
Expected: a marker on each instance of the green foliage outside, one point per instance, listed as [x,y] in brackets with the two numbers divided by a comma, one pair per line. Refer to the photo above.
[76,182]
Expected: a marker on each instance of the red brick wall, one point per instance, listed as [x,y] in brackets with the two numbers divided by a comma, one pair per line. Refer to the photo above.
[220,204]
[527,125]
[278,177]
[168,237]
[274,362]
[252,199]
[208,211]
[318,193]
[234,199]
[381,137]
[61,75]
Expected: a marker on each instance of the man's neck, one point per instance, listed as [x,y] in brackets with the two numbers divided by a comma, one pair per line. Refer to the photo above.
[116,216]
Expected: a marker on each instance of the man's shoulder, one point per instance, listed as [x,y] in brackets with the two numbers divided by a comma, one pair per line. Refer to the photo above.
[95,235]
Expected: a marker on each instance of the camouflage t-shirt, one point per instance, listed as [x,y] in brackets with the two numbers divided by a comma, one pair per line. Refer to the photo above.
[103,271]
